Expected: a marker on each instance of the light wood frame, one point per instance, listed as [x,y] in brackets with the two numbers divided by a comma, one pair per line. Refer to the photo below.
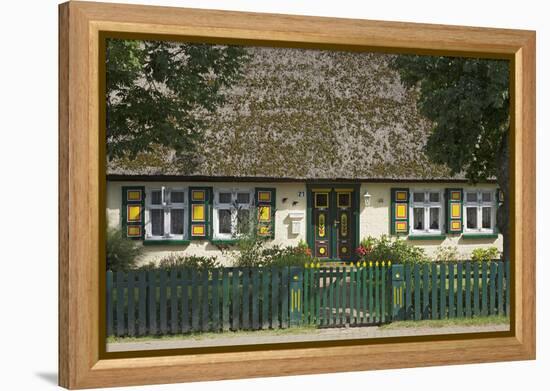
[81,362]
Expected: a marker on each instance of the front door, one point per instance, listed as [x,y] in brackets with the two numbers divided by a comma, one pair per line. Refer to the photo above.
[333,222]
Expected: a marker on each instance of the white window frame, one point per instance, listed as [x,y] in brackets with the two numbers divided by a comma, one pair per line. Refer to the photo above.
[427,205]
[480,204]
[233,207]
[166,206]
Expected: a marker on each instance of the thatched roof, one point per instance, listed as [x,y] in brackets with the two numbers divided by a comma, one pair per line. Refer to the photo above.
[307,114]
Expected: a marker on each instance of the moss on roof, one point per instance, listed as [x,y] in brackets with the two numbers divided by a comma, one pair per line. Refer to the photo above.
[307,114]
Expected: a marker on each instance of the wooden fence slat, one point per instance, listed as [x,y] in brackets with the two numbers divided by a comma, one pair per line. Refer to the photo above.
[435,279]
[162,302]
[225,300]
[459,291]
[109,302]
[371,293]
[255,299]
[358,292]
[351,294]
[408,292]
[344,293]
[364,277]
[492,288]
[152,293]
[131,303]
[275,295]
[142,299]
[484,289]
[216,300]
[425,291]
[377,292]
[119,284]
[500,293]
[174,326]
[338,301]
[383,291]
[205,302]
[305,289]
[235,288]
[314,294]
[284,297]
[246,299]
[468,289]
[195,320]
[265,297]
[184,283]
[416,291]
[476,288]
[442,291]
[451,293]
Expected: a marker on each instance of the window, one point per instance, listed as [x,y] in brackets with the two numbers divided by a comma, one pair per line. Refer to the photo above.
[480,211]
[426,212]
[165,214]
[232,212]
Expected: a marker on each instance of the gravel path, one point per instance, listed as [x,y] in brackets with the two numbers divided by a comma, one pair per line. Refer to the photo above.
[228,339]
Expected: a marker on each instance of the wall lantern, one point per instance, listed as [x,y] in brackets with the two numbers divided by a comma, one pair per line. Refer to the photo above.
[367,197]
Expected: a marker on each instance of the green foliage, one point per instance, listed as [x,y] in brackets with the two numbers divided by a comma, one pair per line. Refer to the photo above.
[155,90]
[391,249]
[447,254]
[121,252]
[485,254]
[468,100]
[175,260]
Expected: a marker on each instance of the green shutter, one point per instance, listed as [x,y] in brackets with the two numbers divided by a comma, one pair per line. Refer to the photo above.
[200,213]
[399,211]
[265,211]
[133,214]
[454,210]
[499,200]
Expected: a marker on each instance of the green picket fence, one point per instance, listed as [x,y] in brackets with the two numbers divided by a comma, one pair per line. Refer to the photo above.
[179,301]
[341,296]
[452,290]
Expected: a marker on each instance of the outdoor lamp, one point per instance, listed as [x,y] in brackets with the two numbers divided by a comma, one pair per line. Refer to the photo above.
[367,197]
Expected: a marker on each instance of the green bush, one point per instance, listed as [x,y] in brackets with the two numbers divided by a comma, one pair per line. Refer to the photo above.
[447,254]
[485,254]
[175,260]
[121,252]
[390,249]
[252,251]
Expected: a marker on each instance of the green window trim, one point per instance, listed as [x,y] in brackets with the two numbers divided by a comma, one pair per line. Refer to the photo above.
[166,242]
[259,202]
[133,196]
[480,236]
[426,237]
[399,222]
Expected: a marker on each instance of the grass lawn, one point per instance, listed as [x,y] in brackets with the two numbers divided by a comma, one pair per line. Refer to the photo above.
[480,321]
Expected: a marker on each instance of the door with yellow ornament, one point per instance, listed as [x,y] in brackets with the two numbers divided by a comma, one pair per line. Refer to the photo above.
[333,222]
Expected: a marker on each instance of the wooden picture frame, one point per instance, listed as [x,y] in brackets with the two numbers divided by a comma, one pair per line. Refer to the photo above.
[83,364]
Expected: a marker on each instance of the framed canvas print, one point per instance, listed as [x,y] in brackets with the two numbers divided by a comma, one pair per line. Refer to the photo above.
[327,194]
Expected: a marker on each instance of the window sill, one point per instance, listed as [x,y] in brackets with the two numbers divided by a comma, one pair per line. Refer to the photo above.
[224,242]
[426,237]
[479,236]
[166,242]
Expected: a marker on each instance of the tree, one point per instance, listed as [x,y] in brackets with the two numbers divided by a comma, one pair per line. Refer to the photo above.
[156,92]
[467,100]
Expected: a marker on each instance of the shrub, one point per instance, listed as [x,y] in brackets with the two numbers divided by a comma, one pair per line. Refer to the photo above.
[175,260]
[121,252]
[390,249]
[485,254]
[447,254]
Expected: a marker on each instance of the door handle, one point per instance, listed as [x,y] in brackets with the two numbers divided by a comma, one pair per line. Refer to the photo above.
[336,222]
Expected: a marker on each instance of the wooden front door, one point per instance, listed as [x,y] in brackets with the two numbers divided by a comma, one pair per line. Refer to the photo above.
[333,222]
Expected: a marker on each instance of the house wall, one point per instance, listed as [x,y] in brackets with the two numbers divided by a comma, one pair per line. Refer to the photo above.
[374,219]
[283,235]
